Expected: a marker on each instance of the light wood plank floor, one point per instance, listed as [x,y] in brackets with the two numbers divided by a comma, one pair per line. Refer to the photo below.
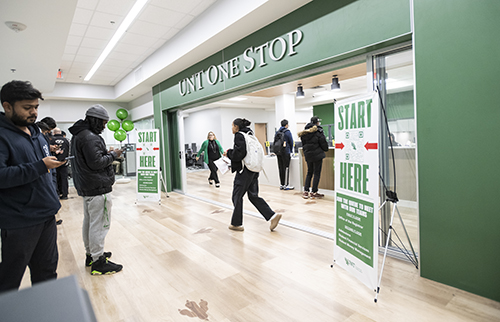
[182,251]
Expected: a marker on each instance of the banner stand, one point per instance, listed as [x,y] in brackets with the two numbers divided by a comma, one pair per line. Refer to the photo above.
[392,197]
[149,172]
[164,185]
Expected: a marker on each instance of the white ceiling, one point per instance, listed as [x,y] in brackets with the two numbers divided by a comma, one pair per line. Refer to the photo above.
[95,22]
[167,37]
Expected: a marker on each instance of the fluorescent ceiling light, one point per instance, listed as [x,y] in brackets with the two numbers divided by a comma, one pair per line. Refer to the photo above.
[237,99]
[118,34]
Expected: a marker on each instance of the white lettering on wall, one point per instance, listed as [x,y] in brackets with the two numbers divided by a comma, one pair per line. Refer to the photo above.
[276,50]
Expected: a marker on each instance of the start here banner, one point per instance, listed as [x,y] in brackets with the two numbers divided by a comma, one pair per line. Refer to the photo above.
[357,186]
[148,165]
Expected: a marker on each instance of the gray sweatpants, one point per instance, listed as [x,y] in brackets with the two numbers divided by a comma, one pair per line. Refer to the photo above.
[96,222]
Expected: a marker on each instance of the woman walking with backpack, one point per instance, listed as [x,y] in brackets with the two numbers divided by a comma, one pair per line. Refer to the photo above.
[246,181]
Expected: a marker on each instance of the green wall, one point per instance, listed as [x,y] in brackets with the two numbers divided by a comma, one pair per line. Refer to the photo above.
[325,112]
[457,52]
[400,106]
[332,32]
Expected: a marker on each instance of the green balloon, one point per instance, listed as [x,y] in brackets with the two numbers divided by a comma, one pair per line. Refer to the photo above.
[122,114]
[113,125]
[120,135]
[128,125]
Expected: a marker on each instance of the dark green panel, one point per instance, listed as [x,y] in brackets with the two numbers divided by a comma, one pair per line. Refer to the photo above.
[456,62]
[175,160]
[332,31]
[325,112]
[400,106]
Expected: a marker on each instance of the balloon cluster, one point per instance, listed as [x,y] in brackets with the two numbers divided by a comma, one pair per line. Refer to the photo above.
[126,126]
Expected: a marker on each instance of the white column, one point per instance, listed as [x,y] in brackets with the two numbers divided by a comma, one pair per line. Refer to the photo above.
[285,109]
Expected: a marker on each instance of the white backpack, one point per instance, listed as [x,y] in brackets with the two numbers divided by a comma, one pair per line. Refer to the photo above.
[255,153]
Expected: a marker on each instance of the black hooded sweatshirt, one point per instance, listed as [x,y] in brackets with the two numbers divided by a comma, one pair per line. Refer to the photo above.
[27,195]
[93,173]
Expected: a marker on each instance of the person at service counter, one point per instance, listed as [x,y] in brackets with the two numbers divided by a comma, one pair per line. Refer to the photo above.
[94,178]
[284,157]
[246,181]
[28,199]
[211,150]
[314,145]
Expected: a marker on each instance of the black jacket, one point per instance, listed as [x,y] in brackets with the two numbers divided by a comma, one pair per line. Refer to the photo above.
[27,195]
[92,170]
[239,150]
[314,142]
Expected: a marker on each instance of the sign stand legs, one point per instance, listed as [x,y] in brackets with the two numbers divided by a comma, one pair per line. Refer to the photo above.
[391,196]
[164,186]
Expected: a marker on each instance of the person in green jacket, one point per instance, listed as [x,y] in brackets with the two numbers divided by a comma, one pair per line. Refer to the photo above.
[211,150]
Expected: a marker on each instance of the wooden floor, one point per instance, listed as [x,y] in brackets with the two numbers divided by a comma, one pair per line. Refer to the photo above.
[182,251]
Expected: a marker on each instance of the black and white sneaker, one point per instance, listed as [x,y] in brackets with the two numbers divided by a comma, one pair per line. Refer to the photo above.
[88,260]
[104,267]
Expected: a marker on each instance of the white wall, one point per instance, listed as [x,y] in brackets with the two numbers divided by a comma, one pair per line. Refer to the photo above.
[219,120]
[198,124]
[66,113]
[253,115]
[141,107]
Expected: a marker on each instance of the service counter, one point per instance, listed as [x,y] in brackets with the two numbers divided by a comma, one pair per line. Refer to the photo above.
[298,172]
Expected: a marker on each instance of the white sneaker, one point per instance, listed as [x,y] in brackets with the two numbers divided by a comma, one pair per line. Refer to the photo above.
[288,188]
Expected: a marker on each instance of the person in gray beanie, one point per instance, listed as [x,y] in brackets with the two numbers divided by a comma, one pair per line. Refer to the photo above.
[94,177]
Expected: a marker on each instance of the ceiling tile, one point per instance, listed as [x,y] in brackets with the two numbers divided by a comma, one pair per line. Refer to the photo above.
[85,59]
[148,29]
[82,65]
[184,21]
[99,33]
[116,63]
[103,20]
[116,7]
[74,40]
[122,56]
[133,39]
[70,49]
[185,6]
[202,7]
[161,16]
[87,4]
[169,34]
[78,29]
[130,49]
[93,52]
[94,43]
[82,16]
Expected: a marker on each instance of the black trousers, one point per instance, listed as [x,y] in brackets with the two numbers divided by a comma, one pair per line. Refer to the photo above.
[213,171]
[284,168]
[35,247]
[313,168]
[247,181]
[62,180]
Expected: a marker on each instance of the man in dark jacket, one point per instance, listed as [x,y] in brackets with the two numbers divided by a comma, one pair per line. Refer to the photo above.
[284,157]
[28,199]
[61,154]
[314,146]
[94,177]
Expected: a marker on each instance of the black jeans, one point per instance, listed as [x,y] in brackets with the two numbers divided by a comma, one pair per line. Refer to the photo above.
[62,180]
[313,168]
[248,181]
[213,171]
[284,168]
[35,247]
